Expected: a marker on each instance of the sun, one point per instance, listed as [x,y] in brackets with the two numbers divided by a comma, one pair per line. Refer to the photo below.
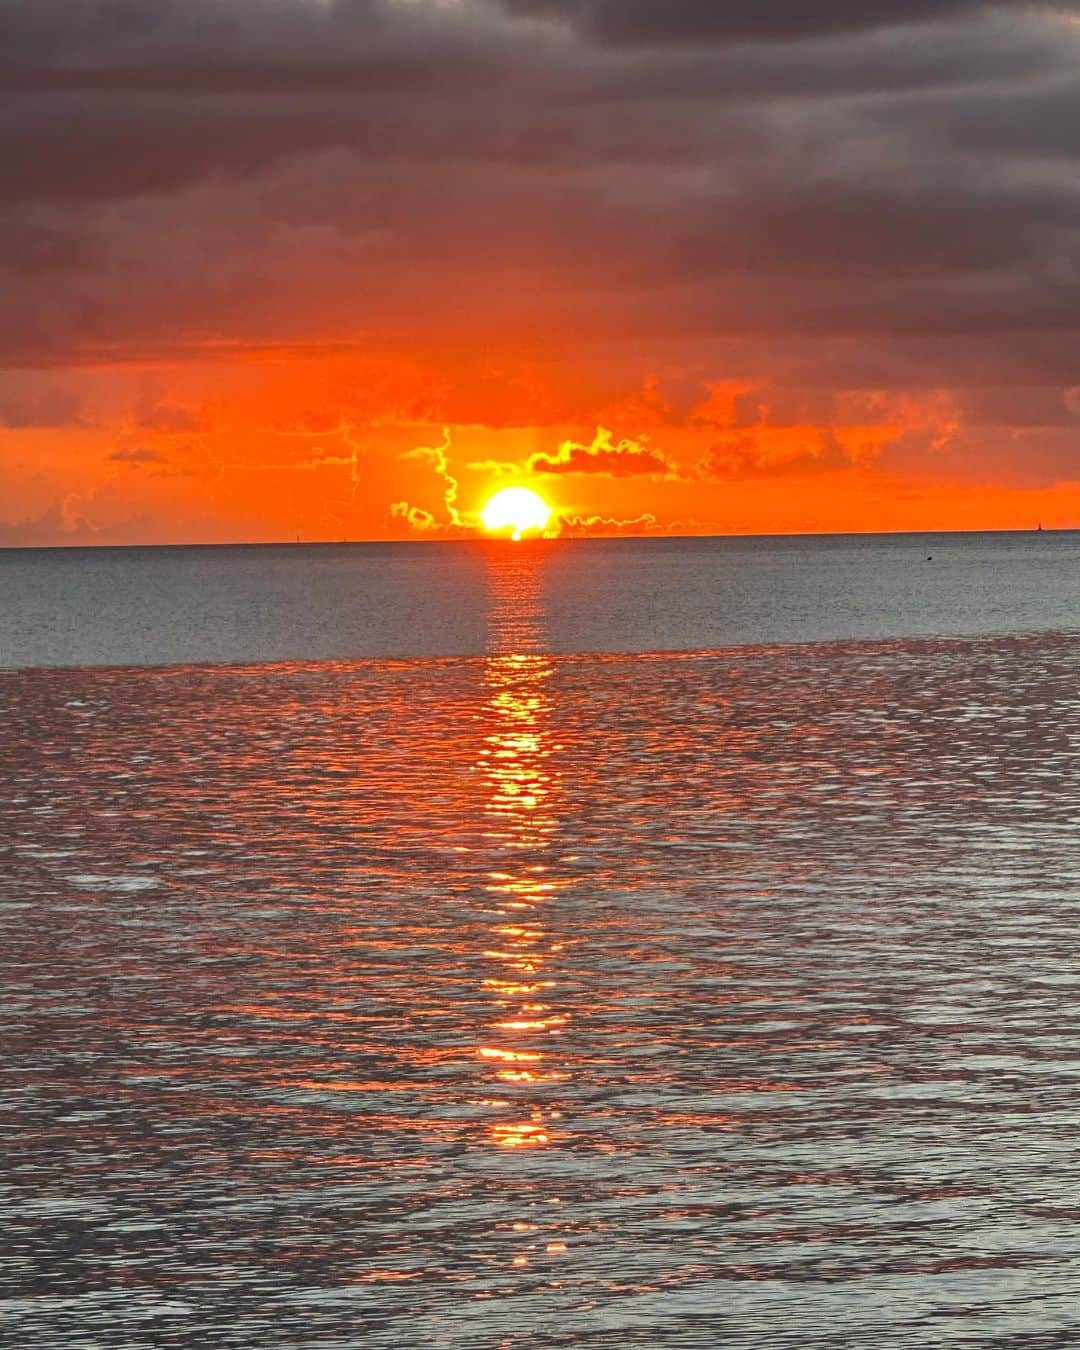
[518,509]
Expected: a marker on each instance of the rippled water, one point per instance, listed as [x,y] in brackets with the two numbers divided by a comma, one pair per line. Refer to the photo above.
[717,999]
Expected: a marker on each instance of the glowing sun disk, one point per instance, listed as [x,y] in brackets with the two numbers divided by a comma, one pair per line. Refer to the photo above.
[518,509]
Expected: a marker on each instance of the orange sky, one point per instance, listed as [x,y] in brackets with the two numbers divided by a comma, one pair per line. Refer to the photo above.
[270,446]
[344,271]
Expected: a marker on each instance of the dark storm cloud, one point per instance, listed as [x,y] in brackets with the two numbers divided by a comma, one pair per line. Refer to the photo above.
[1042,122]
[647,22]
[106,100]
[890,201]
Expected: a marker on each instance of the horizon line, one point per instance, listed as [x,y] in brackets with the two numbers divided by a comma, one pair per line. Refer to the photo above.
[299,542]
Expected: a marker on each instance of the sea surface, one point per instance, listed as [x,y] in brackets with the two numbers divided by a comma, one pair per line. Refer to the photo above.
[166,606]
[625,945]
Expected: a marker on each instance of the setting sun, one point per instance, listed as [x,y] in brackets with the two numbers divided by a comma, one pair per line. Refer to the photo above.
[518,509]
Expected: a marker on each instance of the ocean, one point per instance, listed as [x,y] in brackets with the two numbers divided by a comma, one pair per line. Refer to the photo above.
[171,606]
[630,943]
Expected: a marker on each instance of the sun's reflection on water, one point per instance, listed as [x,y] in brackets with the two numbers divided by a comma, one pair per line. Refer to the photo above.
[520,826]
[464,996]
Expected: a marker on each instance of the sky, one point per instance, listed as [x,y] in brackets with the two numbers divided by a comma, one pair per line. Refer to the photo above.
[343,268]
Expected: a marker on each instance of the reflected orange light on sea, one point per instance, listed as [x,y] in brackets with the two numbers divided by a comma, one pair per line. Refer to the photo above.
[428,997]
[520,822]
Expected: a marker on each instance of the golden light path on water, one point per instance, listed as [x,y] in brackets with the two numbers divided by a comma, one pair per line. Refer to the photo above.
[522,1057]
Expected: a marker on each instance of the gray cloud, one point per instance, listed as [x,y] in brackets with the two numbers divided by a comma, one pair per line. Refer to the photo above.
[865,194]
[644,22]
